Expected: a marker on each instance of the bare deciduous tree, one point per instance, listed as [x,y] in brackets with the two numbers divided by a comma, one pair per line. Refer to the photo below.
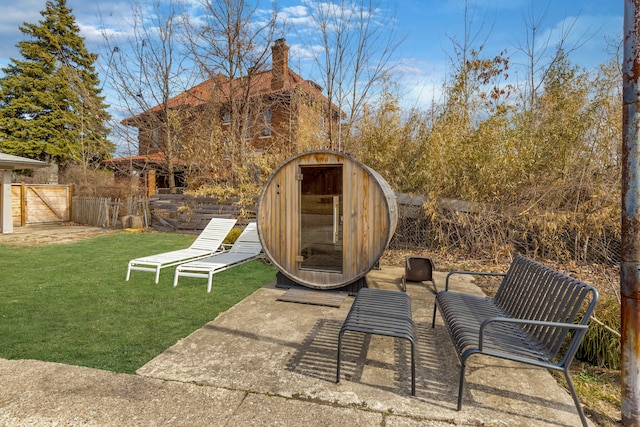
[231,45]
[148,72]
[353,43]
[537,45]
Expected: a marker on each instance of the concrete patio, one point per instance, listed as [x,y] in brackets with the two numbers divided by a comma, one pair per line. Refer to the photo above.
[267,362]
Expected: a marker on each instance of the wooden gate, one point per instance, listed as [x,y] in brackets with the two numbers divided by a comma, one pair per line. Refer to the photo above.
[40,203]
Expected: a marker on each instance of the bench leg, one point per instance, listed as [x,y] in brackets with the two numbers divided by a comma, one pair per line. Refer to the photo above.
[433,321]
[413,362]
[413,368]
[461,386]
[576,400]
[339,351]
[567,377]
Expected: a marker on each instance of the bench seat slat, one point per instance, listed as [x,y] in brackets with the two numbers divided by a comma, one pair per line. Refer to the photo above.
[464,328]
[381,312]
[538,316]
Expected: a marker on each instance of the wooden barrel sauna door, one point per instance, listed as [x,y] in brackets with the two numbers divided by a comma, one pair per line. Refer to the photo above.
[321,218]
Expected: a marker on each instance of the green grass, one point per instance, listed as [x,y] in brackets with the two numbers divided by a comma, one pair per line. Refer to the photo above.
[69,303]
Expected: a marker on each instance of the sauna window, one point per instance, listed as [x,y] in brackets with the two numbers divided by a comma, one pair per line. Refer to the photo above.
[321,218]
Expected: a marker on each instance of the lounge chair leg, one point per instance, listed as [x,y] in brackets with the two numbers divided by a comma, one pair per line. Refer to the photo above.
[157,275]
[175,278]
[128,273]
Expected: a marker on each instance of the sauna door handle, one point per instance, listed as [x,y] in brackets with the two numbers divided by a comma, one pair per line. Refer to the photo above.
[336,218]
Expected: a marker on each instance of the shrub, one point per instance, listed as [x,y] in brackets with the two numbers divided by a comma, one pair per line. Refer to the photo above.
[601,346]
[232,236]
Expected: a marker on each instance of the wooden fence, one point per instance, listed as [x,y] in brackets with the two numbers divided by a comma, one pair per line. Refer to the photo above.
[179,212]
[188,214]
[107,212]
[40,203]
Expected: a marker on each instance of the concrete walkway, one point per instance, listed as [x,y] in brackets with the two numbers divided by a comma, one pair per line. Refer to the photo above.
[271,363]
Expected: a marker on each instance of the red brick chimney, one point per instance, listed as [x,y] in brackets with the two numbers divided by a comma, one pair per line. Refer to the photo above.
[279,64]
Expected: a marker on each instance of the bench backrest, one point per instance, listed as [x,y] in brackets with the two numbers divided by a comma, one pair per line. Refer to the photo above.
[533,291]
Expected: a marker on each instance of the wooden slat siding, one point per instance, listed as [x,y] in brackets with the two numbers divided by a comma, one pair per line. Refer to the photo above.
[351,223]
[17,211]
[358,229]
[367,223]
[291,237]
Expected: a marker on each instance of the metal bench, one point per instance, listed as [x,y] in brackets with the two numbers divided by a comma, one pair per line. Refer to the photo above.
[381,312]
[538,316]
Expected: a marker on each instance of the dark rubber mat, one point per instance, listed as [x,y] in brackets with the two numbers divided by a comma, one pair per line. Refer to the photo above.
[310,296]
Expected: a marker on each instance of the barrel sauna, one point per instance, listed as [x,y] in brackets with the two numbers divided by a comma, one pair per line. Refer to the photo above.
[325,219]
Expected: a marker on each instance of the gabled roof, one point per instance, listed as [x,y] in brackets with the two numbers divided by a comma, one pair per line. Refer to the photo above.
[10,162]
[216,89]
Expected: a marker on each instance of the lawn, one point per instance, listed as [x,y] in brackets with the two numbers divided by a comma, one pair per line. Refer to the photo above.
[70,303]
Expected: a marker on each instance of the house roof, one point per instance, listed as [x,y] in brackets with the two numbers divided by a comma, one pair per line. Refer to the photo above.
[217,89]
[154,158]
[10,162]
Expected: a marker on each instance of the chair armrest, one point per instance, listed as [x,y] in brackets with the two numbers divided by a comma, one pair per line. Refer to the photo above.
[473,273]
[488,322]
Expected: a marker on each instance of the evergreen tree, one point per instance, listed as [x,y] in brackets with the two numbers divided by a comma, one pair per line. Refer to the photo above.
[50,103]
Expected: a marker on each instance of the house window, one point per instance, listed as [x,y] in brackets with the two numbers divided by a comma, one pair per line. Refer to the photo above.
[226,119]
[266,130]
[321,128]
[155,139]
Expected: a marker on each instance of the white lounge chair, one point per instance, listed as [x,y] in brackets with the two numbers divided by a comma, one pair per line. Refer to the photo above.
[245,249]
[207,243]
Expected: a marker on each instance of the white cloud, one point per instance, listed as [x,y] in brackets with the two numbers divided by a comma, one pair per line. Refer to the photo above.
[586,34]
[420,82]
[12,16]
[90,17]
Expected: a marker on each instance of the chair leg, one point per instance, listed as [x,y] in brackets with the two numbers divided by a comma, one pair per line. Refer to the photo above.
[157,274]
[576,400]
[128,273]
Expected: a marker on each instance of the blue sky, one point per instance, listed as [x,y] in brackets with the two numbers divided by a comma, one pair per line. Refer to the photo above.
[428,27]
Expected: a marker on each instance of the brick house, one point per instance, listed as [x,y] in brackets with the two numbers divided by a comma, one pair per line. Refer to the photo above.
[282,112]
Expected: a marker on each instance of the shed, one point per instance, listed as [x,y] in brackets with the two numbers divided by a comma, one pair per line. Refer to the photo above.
[325,219]
[10,163]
